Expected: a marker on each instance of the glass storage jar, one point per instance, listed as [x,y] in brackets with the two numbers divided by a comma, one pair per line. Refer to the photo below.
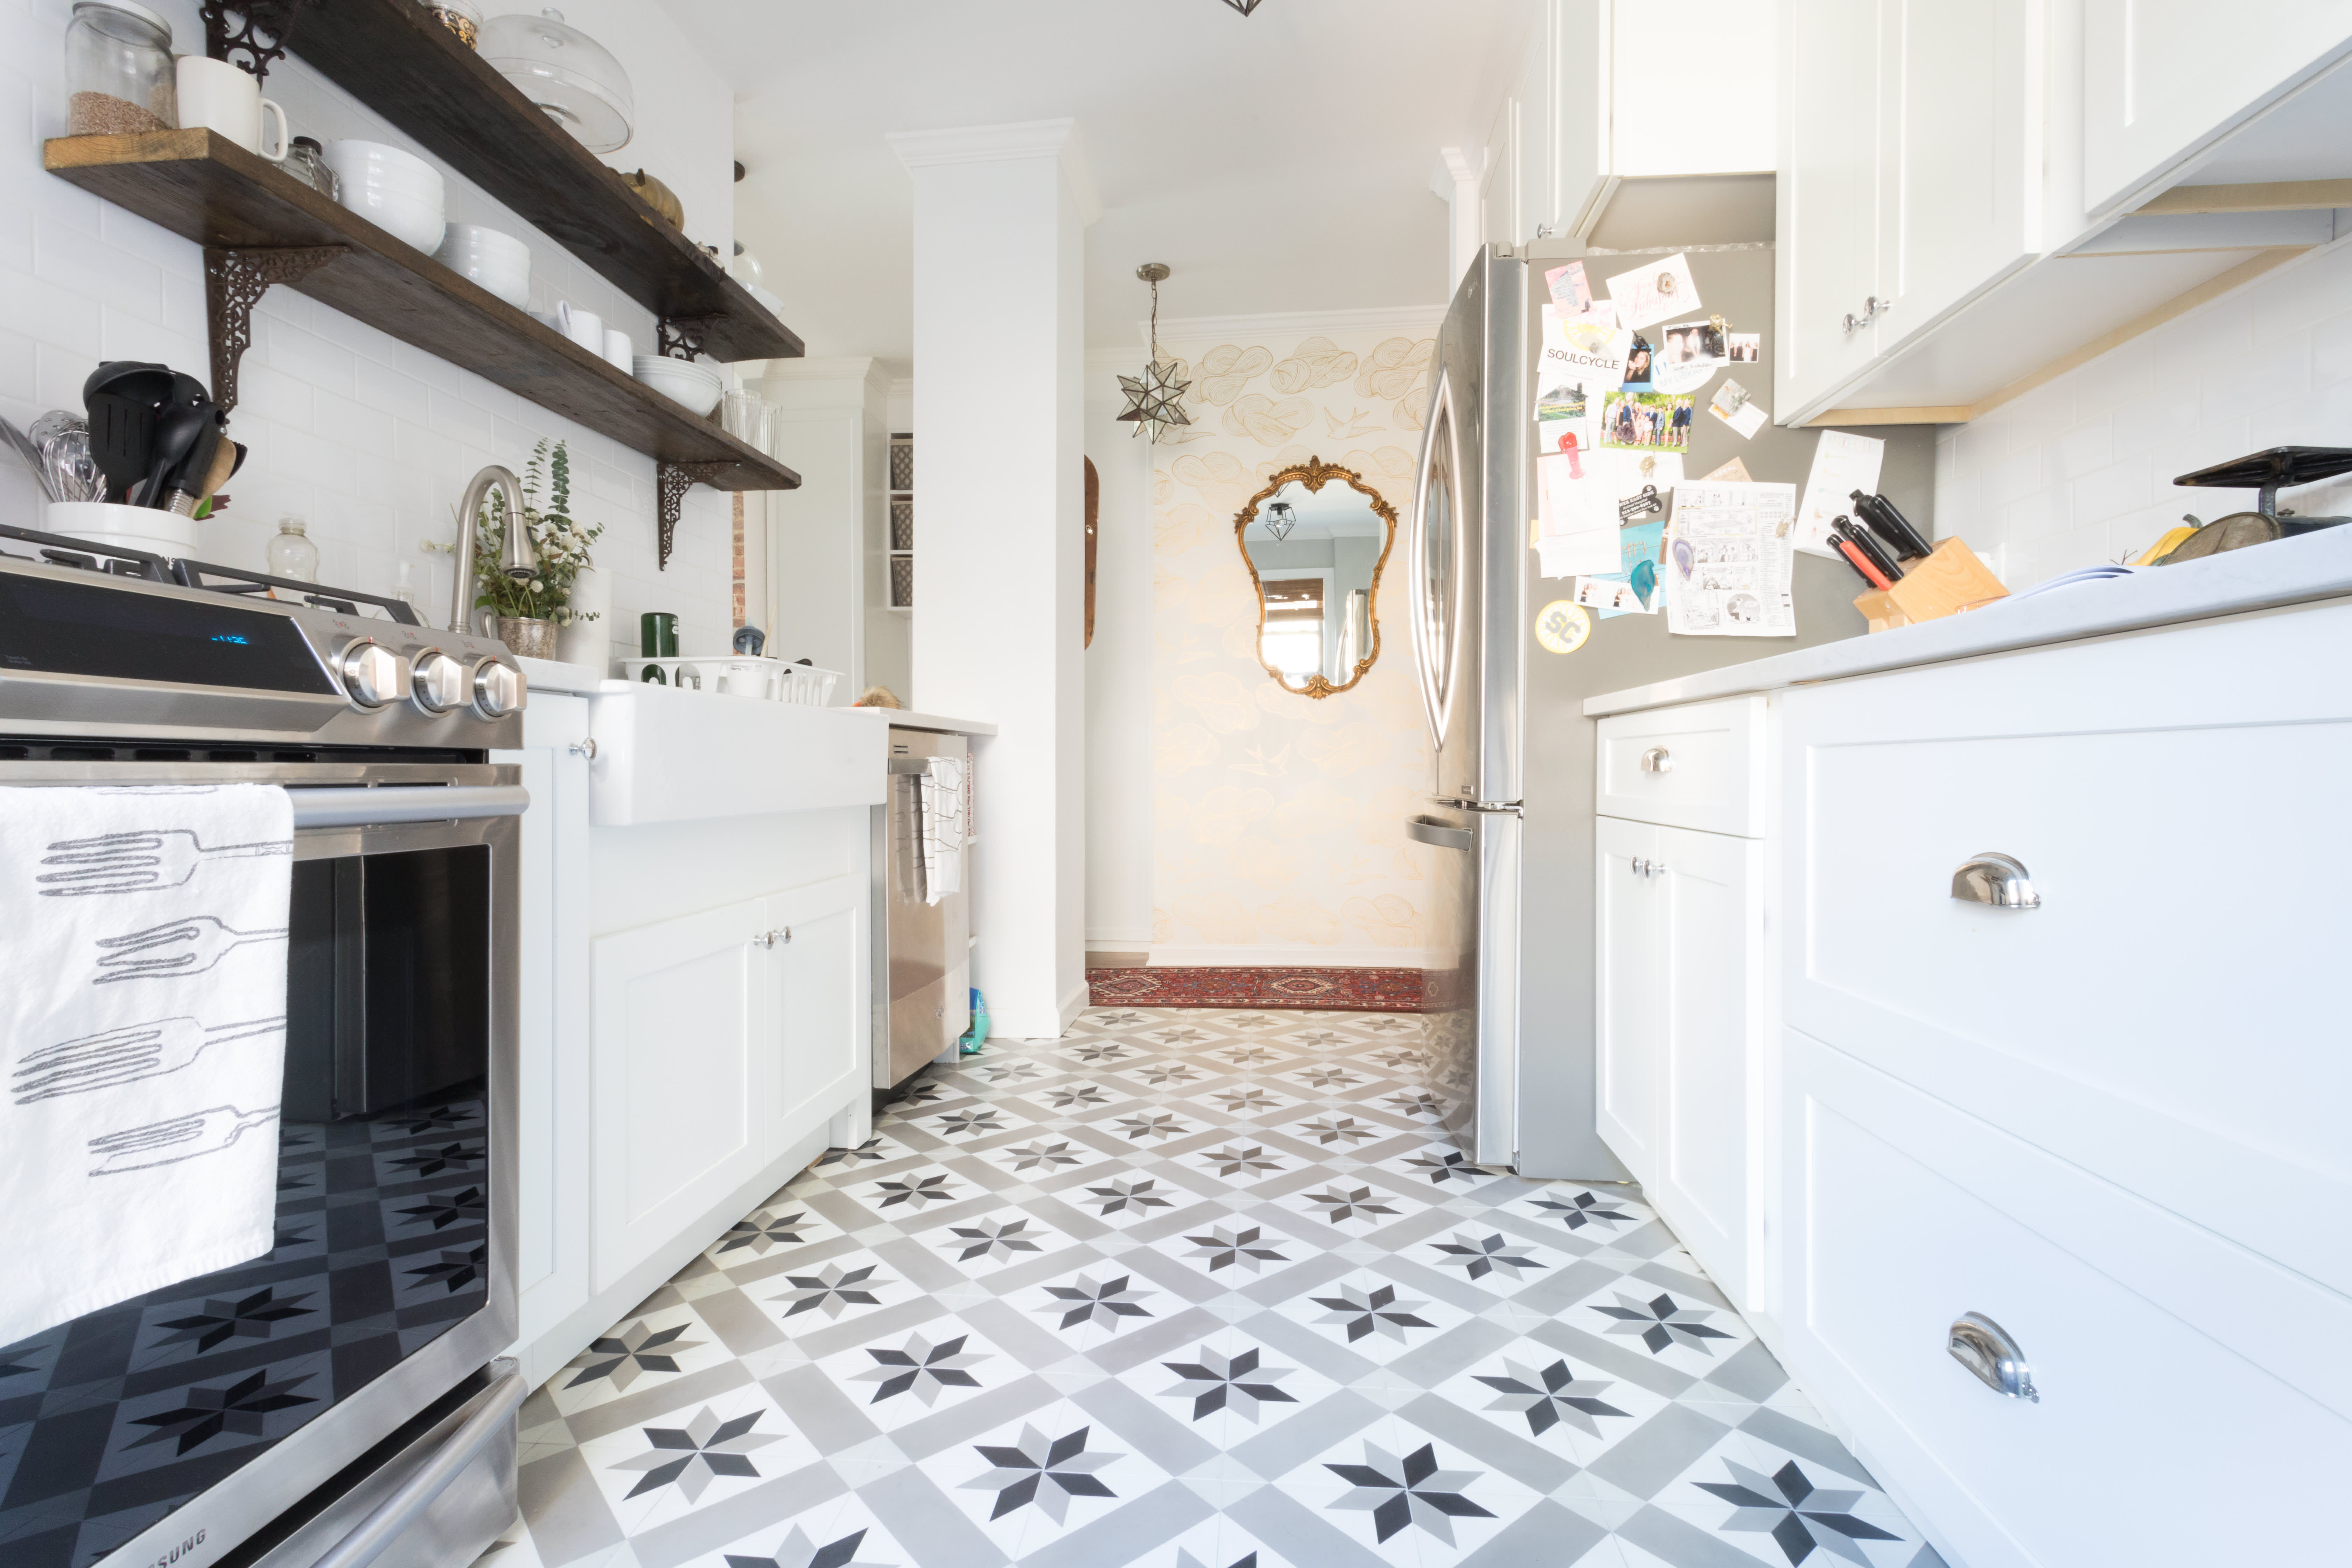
[292,553]
[118,71]
[307,163]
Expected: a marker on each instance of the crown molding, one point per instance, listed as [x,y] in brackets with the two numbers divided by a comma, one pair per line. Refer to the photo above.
[1016,142]
[1422,318]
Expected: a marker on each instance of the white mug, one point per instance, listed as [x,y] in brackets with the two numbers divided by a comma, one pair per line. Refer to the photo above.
[617,348]
[225,99]
[582,327]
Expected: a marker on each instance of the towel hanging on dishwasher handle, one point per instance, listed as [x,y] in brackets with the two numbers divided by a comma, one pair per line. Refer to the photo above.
[939,827]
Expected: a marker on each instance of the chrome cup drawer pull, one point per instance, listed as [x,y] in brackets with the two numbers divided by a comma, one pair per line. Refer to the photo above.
[1657,760]
[1985,1348]
[1996,879]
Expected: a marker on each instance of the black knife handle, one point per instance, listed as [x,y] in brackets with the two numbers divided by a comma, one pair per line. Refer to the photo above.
[1888,522]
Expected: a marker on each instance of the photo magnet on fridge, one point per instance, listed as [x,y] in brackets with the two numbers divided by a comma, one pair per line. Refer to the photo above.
[1640,361]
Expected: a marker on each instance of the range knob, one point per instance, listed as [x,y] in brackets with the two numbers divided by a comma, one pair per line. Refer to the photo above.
[438,683]
[498,689]
[373,674]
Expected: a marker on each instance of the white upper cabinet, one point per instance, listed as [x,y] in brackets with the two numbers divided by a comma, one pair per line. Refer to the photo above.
[1828,195]
[2161,78]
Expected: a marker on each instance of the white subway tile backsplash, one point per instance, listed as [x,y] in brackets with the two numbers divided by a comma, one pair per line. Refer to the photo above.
[2112,491]
[2088,445]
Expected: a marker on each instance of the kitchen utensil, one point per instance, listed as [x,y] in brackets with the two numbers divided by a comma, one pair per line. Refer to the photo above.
[2266,473]
[1887,521]
[118,75]
[228,459]
[136,1050]
[750,640]
[1843,540]
[123,397]
[33,461]
[138,862]
[122,527]
[1867,542]
[185,434]
[658,197]
[585,327]
[226,101]
[617,349]
[65,455]
[658,635]
[181,1138]
[571,75]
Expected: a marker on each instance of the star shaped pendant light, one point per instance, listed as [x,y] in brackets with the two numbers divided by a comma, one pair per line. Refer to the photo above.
[1154,399]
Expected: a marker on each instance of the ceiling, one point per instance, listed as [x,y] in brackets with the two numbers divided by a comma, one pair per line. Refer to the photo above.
[1277,163]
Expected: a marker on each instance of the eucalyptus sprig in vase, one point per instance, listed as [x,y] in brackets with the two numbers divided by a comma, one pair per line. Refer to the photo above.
[526,615]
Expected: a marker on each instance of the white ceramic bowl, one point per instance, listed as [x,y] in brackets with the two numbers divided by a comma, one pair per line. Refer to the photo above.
[413,220]
[499,262]
[124,527]
[487,243]
[678,381]
[373,162]
[663,362]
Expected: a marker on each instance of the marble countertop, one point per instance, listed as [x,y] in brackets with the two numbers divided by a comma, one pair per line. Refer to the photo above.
[2289,571]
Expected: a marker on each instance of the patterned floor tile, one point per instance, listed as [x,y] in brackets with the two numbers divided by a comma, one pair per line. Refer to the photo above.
[1198,1289]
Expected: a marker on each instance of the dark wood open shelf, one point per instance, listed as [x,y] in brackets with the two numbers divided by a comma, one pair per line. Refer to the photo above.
[205,188]
[394,57]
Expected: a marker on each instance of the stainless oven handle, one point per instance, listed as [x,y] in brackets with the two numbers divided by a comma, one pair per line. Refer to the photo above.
[392,1517]
[339,808]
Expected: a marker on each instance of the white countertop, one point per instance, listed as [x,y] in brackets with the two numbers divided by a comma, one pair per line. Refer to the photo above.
[2291,571]
[547,675]
[900,719]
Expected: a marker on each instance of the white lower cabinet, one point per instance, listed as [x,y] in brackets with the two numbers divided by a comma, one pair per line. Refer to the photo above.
[1681,1031]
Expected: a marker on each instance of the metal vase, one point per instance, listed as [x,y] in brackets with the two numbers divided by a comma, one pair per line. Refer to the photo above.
[526,636]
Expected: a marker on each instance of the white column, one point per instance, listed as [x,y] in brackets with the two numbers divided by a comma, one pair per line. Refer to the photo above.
[1455,179]
[1118,669]
[999,345]
[821,537]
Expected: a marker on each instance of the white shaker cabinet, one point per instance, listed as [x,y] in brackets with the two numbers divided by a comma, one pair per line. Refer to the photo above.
[812,965]
[2161,78]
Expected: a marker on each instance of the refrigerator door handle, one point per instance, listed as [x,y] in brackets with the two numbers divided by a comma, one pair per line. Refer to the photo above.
[1432,599]
[1436,833]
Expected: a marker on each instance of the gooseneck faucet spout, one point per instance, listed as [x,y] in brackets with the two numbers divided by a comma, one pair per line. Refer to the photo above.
[518,559]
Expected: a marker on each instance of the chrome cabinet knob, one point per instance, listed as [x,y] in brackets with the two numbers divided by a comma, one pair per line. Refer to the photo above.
[373,674]
[1872,308]
[1641,868]
[1657,760]
[438,684]
[1657,867]
[1996,879]
[769,938]
[498,689]
[584,750]
[1986,1349]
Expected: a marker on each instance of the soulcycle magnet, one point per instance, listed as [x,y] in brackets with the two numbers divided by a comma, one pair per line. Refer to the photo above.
[1562,626]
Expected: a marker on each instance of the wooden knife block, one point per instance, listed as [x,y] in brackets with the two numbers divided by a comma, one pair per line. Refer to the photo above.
[1946,581]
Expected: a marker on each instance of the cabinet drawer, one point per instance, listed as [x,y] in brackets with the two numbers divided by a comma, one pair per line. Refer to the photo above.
[2165,1013]
[2154,1423]
[1700,766]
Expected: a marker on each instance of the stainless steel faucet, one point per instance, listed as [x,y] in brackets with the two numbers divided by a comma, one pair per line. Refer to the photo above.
[518,559]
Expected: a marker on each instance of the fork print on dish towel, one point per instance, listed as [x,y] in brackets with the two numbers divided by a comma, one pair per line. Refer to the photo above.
[126,1054]
[175,950]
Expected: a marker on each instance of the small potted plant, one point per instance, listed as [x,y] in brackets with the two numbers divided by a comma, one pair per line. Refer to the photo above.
[526,615]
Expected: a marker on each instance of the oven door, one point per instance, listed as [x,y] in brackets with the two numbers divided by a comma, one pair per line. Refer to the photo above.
[156,1429]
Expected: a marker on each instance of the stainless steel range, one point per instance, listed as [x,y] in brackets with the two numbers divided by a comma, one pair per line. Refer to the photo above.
[156,1431]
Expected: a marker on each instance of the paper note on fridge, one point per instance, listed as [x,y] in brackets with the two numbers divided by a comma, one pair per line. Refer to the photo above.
[1736,406]
[1728,560]
[1576,525]
[1572,294]
[1654,291]
[1843,464]
[1580,361]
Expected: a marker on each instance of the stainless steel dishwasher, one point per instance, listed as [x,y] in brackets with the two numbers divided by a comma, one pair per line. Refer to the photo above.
[922,945]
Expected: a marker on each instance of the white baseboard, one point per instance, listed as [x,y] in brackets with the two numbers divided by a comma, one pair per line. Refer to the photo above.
[1072,1006]
[1170,956]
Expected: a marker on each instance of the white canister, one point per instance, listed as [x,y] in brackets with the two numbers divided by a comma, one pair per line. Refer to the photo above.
[618,349]
[146,528]
[227,101]
[589,642]
[585,327]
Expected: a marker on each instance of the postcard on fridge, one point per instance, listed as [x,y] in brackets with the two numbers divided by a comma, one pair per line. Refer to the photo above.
[1654,291]
[1729,561]
[1736,406]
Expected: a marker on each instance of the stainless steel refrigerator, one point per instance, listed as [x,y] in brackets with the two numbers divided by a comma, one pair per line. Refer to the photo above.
[1509,808]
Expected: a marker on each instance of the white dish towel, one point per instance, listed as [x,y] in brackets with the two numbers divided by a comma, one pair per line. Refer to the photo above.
[143,1038]
[939,815]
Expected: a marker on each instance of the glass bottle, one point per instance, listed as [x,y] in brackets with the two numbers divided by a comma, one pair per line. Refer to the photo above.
[118,71]
[307,163]
[292,553]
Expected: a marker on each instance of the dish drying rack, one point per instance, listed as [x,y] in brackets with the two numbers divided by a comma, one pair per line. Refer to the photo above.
[736,675]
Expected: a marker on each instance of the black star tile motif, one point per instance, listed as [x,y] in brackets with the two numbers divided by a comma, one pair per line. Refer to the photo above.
[1660,1324]
[832,1289]
[1102,1304]
[238,1407]
[1144,1128]
[626,1355]
[1344,1131]
[922,1092]
[434,1120]
[254,1317]
[1409,1492]
[1121,1195]
[433,1162]
[1233,1160]
[965,1123]
[1416,1102]
[1106,1051]
[1244,1101]
[916,1190]
[1341,1204]
[991,1238]
[1374,1311]
[1582,1208]
[1442,1165]
[1478,1257]
[1182,1035]
[1012,1072]
[1076,1094]
[1158,1073]
[1246,1056]
[767,1229]
[1794,1513]
[870,1150]
[1327,1076]
[1224,1249]
[920,1368]
[1237,1382]
[1041,1471]
[443,1210]
[453,1271]
[1549,1396]
[1057,1155]
[691,1456]
[799,1551]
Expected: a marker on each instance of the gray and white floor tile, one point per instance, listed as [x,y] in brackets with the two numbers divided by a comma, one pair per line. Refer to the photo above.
[1188,1290]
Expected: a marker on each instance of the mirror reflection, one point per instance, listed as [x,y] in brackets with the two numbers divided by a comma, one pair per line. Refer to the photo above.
[1316,538]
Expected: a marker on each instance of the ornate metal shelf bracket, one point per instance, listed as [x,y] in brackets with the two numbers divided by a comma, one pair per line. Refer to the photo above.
[234,281]
[272,18]
[674,479]
[681,337]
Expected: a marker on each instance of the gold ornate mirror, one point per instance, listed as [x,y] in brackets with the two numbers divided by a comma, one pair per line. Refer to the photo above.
[1316,539]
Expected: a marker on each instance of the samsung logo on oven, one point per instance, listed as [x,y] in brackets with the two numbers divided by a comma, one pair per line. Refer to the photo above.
[186,1549]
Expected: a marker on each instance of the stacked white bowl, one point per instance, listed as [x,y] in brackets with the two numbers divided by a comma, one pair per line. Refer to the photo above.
[499,262]
[695,387]
[398,192]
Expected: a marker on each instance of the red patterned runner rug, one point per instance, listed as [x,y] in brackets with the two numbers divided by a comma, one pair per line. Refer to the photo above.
[1344,990]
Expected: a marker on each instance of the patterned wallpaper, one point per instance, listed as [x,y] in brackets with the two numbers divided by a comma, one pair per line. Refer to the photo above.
[1278,819]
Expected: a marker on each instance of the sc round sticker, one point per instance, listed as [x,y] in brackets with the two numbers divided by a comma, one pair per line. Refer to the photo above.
[1563,627]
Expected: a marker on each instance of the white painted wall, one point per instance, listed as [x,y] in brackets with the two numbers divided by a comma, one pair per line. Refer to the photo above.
[1119,670]
[2080,472]
[830,414]
[370,440]
[998,298]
